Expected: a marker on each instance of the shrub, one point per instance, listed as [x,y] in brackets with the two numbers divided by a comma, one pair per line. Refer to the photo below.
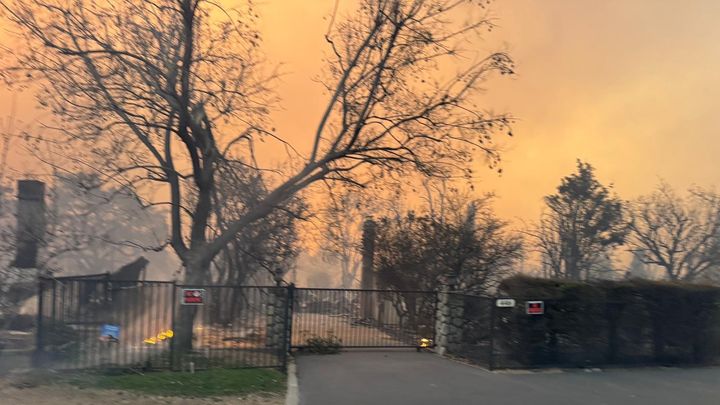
[633,321]
[330,344]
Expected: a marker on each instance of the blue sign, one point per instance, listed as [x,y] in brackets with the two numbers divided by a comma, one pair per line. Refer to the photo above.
[110,333]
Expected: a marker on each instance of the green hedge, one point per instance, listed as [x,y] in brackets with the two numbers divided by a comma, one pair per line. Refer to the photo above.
[625,322]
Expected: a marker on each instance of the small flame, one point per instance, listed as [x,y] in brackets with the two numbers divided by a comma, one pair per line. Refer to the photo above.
[164,335]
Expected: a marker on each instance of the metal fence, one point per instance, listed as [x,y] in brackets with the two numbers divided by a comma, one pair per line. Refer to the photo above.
[87,322]
[363,318]
[98,322]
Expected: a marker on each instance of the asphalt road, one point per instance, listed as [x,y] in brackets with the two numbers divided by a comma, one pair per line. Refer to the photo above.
[409,378]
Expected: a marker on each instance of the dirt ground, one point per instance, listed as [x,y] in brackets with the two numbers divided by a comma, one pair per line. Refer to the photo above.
[15,393]
[306,325]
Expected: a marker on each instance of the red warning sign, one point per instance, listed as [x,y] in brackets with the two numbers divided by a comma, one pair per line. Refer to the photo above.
[535,307]
[193,296]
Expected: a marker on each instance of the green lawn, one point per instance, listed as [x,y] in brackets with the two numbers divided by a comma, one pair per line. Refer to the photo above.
[213,382]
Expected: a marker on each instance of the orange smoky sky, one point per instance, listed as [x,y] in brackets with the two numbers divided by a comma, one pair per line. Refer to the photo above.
[630,86]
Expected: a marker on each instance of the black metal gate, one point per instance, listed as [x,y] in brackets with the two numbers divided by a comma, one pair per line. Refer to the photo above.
[363,318]
[94,321]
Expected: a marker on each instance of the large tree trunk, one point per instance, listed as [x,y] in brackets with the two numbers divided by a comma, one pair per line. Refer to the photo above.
[572,264]
[184,332]
[195,274]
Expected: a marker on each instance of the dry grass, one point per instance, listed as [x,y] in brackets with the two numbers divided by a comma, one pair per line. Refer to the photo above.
[84,389]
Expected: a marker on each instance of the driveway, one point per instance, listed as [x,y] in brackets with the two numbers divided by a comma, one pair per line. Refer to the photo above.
[410,378]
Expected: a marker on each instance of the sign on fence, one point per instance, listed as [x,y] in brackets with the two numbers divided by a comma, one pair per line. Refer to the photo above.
[535,307]
[193,296]
[110,333]
[505,303]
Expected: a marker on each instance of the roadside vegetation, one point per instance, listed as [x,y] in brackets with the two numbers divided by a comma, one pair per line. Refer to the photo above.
[208,383]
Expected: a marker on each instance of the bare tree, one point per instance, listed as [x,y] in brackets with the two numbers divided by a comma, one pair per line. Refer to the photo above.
[92,230]
[267,250]
[340,221]
[164,92]
[681,235]
[548,245]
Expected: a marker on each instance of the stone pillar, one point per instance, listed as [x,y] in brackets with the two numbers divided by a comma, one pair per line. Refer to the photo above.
[275,314]
[441,324]
[449,321]
[367,279]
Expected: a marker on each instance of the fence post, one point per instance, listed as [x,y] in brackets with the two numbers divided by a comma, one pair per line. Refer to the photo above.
[40,333]
[173,304]
[287,332]
[275,321]
[491,346]
[436,309]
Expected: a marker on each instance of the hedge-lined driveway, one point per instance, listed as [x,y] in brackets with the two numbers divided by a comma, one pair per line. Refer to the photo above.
[409,378]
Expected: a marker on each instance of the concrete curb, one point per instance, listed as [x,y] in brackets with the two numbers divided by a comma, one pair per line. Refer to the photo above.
[292,396]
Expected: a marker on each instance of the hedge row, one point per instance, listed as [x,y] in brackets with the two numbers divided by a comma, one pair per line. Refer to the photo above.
[606,322]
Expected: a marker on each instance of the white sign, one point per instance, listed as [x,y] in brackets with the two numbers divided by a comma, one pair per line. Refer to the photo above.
[505,303]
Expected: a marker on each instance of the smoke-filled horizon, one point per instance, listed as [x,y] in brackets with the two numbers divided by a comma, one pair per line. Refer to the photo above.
[628,90]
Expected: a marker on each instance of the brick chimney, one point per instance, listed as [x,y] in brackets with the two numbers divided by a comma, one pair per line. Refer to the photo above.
[30,233]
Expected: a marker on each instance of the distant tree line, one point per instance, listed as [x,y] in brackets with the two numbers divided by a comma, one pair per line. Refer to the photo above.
[456,237]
